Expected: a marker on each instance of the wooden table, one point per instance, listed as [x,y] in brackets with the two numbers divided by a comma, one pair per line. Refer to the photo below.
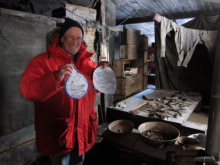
[133,102]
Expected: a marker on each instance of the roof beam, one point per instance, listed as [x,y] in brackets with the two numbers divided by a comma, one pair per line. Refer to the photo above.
[150,18]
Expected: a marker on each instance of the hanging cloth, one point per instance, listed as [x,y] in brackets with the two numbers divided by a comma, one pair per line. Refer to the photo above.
[186,40]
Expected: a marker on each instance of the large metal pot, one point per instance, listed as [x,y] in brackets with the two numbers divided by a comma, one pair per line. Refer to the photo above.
[166,134]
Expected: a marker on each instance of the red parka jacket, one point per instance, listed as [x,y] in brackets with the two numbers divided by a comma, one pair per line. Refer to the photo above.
[57,116]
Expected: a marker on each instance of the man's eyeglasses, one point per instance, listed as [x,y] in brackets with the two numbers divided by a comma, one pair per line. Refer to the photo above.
[78,39]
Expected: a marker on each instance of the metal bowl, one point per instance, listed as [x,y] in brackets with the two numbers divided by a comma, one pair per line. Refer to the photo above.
[187,142]
[121,126]
[201,138]
[168,133]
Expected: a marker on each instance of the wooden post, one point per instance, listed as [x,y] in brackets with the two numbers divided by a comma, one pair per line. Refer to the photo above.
[103,96]
[213,133]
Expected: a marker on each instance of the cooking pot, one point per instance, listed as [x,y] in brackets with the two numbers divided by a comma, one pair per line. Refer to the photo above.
[201,138]
[187,143]
[158,134]
[121,126]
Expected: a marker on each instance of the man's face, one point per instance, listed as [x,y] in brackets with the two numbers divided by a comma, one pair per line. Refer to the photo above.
[71,40]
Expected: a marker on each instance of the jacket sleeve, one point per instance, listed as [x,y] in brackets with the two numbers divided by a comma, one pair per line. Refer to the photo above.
[38,82]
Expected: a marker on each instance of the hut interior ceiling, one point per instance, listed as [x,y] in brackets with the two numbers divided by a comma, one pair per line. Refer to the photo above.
[135,14]
[139,14]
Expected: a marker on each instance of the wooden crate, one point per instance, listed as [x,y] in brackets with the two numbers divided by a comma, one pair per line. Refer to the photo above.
[90,48]
[120,65]
[89,35]
[127,90]
[129,52]
[143,42]
[121,81]
[145,69]
[127,86]
[118,98]
[145,82]
[129,36]
[144,55]
[80,13]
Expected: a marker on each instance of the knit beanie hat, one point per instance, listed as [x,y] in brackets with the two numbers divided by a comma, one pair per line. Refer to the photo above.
[68,24]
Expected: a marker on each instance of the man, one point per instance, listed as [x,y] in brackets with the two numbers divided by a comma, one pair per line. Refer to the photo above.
[65,128]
